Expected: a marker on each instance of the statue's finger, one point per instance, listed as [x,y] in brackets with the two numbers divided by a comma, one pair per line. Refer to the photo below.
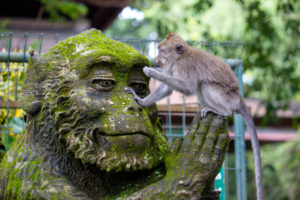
[186,144]
[201,133]
[216,127]
[221,148]
[202,124]
[176,145]
[197,121]
[195,124]
[198,142]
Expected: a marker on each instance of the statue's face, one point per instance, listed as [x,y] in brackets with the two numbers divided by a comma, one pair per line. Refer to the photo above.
[79,86]
[105,125]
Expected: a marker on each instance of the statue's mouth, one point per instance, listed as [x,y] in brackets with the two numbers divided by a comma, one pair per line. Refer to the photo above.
[113,134]
[132,142]
[125,134]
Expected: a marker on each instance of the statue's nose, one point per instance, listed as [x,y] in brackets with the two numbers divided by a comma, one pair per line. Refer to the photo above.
[135,108]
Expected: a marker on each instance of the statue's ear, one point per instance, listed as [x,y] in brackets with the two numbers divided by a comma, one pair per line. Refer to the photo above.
[31,94]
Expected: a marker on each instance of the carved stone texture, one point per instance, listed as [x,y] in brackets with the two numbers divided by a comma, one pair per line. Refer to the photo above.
[86,138]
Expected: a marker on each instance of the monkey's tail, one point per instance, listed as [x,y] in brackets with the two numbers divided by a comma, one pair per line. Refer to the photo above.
[255,147]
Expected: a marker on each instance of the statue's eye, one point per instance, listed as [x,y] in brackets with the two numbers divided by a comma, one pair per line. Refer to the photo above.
[139,88]
[103,84]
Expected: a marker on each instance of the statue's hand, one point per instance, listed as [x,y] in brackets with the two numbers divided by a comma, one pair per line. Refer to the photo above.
[194,162]
[198,158]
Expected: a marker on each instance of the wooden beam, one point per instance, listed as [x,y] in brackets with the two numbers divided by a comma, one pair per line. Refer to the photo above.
[106,3]
[11,104]
[179,108]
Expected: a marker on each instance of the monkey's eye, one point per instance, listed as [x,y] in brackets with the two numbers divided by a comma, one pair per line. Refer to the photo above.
[139,88]
[103,84]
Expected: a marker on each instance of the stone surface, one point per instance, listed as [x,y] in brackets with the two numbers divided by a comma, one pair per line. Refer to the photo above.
[86,138]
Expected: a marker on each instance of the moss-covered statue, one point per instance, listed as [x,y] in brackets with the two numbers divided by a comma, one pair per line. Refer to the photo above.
[86,138]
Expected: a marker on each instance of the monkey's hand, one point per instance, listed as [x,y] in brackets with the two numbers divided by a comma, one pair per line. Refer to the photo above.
[150,72]
[136,97]
[194,163]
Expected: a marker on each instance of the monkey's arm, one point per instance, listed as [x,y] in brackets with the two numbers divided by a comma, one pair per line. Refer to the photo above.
[161,91]
[174,83]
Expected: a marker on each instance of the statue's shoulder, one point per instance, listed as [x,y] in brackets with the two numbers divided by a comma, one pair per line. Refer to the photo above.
[19,171]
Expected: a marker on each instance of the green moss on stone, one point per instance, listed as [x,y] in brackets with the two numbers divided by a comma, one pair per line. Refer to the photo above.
[87,48]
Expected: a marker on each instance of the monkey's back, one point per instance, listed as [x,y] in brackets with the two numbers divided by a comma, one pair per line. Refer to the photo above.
[206,67]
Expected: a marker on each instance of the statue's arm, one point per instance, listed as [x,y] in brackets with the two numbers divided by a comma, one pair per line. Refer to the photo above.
[194,163]
[24,178]
[60,189]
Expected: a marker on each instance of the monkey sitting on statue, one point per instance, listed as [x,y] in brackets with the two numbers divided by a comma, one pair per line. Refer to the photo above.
[193,71]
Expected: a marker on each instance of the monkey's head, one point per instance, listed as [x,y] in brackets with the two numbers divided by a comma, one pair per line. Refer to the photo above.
[76,101]
[170,49]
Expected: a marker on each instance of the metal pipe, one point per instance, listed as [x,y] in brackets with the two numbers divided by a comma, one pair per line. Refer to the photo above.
[14,57]
[239,144]
[24,57]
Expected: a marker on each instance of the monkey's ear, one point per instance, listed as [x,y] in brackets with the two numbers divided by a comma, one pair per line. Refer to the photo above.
[32,88]
[179,48]
[170,35]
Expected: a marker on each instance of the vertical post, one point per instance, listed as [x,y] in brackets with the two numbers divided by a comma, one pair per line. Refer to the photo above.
[169,120]
[25,41]
[55,38]
[183,116]
[40,42]
[226,171]
[239,144]
[7,104]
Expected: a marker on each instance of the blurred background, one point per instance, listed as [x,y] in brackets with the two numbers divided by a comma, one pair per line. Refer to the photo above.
[263,34]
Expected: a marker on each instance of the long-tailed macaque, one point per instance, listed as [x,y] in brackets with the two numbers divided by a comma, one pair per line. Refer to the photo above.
[193,71]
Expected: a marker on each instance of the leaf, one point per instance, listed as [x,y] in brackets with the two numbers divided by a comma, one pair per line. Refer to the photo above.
[17,125]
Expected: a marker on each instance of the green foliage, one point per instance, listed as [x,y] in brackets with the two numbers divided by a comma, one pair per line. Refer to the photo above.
[16,126]
[280,164]
[2,153]
[59,10]
[3,25]
[272,185]
[280,167]
[288,168]
[10,88]
[11,140]
[231,191]
[163,17]
[272,51]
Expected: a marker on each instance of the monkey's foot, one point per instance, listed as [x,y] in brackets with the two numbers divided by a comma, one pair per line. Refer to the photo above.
[205,110]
